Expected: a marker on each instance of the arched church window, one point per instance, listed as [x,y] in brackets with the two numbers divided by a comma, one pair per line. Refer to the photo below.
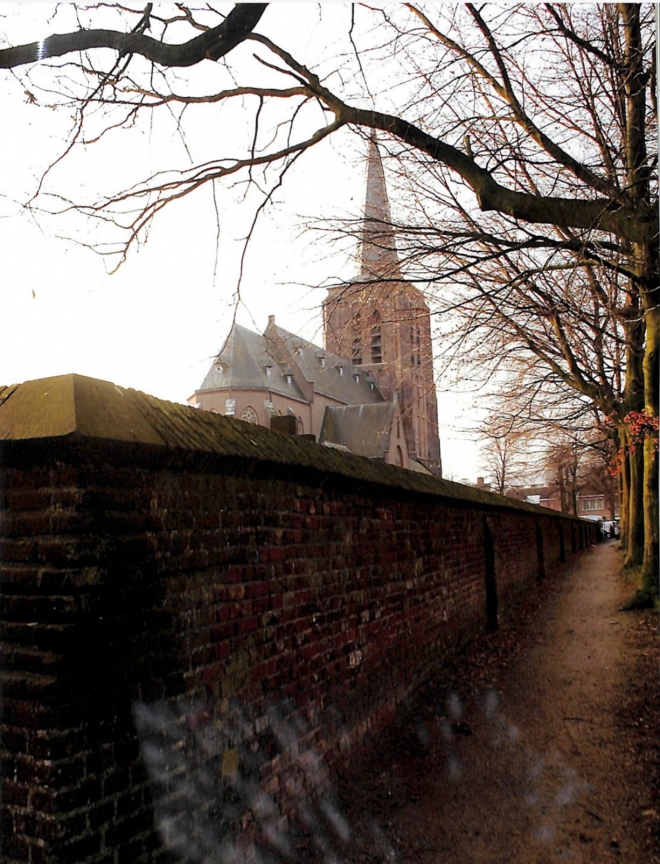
[415,345]
[356,353]
[376,339]
[249,415]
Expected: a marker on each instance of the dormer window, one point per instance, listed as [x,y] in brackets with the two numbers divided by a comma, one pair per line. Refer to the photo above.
[220,368]
[341,371]
[357,378]
[322,361]
[269,371]
[289,379]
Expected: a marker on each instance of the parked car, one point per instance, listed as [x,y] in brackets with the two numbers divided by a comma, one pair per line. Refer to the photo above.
[610,528]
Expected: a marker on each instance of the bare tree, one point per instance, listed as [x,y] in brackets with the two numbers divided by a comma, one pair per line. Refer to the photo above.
[504,452]
[559,308]
[536,122]
[563,464]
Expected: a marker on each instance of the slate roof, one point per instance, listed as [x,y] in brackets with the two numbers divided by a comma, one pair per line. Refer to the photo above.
[352,385]
[243,363]
[363,429]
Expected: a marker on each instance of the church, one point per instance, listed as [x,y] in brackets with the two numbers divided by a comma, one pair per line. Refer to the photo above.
[370,390]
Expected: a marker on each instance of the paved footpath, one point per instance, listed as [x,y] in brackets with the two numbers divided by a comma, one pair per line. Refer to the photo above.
[539,763]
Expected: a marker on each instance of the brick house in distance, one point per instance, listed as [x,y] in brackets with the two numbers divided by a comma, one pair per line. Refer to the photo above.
[594,500]
[371,389]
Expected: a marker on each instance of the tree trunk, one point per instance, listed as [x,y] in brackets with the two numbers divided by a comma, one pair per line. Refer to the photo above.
[635,548]
[645,256]
[624,493]
[650,492]
[632,462]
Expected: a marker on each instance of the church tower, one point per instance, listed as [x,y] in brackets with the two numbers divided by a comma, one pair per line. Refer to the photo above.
[382,323]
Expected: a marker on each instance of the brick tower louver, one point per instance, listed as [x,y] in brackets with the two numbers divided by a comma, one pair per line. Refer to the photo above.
[382,323]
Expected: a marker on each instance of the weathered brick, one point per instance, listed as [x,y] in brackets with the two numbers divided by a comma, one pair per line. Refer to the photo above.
[80,849]
[14,794]
[86,793]
[126,830]
[152,583]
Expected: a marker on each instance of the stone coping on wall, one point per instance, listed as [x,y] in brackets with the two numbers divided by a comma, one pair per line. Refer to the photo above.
[78,408]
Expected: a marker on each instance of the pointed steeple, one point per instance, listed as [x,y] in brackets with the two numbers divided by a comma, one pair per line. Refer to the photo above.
[378,256]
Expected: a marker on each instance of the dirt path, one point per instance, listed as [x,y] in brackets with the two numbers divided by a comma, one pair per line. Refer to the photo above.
[540,745]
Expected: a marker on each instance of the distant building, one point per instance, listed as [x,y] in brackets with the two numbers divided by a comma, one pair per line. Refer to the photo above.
[371,390]
[544,496]
[597,501]
[593,501]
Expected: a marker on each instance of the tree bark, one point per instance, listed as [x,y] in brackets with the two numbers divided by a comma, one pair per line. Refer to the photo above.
[635,551]
[646,265]
[650,562]
[624,492]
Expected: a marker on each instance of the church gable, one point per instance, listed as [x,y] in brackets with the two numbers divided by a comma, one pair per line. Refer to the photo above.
[373,431]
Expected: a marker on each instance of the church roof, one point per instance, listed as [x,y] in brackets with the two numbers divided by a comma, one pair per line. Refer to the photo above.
[332,375]
[282,362]
[363,429]
[243,364]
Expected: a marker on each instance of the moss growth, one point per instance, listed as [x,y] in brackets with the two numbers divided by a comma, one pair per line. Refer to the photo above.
[76,407]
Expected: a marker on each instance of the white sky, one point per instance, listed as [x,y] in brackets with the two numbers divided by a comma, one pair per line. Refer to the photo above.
[157,322]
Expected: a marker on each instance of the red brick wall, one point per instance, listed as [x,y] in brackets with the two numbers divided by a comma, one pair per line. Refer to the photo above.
[256,623]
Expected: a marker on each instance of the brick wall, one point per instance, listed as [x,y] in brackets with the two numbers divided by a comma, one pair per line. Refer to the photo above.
[191,642]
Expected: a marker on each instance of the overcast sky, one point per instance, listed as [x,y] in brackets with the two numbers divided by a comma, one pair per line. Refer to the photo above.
[156,324]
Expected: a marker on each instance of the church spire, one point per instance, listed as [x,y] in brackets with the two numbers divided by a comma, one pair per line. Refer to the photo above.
[378,256]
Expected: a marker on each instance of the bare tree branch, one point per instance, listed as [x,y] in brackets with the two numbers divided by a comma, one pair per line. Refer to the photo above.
[210,45]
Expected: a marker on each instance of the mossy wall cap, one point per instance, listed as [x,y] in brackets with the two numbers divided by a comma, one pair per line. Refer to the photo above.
[77,407]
